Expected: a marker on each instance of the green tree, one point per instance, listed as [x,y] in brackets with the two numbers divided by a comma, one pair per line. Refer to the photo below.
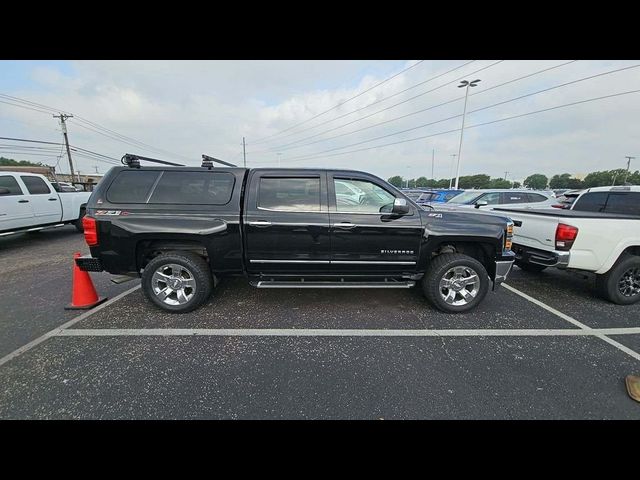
[536,181]
[500,183]
[422,182]
[8,162]
[396,181]
[516,185]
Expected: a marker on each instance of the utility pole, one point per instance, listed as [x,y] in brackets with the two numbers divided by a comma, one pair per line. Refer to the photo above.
[628,165]
[96,167]
[505,175]
[62,118]
[244,153]
[279,156]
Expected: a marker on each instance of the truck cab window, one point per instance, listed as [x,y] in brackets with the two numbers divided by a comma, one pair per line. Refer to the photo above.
[627,203]
[371,197]
[591,202]
[289,194]
[10,183]
[494,198]
[35,185]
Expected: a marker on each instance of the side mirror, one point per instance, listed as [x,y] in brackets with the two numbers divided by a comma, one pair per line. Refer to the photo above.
[4,191]
[481,203]
[400,207]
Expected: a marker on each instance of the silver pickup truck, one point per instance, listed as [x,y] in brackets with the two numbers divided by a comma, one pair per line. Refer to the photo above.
[29,202]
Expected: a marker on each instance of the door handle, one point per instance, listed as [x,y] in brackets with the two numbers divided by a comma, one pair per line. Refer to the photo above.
[260,223]
[23,201]
[53,199]
[344,225]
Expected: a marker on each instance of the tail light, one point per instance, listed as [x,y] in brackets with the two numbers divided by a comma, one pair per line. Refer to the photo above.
[90,231]
[558,205]
[565,236]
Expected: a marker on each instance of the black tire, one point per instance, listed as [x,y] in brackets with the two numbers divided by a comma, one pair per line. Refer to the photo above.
[530,267]
[195,266]
[78,222]
[439,267]
[609,285]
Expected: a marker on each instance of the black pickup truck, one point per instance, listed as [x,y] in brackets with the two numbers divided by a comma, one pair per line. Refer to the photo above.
[182,228]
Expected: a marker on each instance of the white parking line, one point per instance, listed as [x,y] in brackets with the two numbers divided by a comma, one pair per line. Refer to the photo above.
[55,331]
[575,322]
[341,332]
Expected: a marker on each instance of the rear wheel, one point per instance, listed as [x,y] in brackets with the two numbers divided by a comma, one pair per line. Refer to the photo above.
[621,284]
[530,267]
[455,283]
[177,282]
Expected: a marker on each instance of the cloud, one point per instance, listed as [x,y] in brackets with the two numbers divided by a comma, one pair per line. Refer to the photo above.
[195,107]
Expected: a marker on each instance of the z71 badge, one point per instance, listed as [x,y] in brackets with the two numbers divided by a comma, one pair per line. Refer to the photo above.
[110,212]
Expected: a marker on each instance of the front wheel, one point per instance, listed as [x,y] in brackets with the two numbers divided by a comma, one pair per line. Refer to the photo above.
[455,283]
[177,282]
[621,284]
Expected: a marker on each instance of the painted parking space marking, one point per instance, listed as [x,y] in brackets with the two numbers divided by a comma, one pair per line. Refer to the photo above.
[57,330]
[582,326]
[342,332]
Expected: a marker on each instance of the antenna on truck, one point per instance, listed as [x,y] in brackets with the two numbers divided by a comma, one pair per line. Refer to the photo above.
[133,161]
[207,162]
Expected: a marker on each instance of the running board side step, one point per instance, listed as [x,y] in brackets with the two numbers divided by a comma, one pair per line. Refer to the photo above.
[321,284]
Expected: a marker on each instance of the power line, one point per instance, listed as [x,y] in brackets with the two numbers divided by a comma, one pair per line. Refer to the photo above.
[81,121]
[395,104]
[341,103]
[283,147]
[459,115]
[387,98]
[470,126]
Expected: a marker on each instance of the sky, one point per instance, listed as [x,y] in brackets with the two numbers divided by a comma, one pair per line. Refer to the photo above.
[332,114]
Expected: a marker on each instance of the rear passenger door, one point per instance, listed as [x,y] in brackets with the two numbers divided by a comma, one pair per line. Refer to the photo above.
[44,202]
[287,223]
[15,208]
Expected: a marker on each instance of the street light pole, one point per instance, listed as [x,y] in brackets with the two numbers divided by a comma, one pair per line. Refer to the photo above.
[467,84]
[453,159]
[628,165]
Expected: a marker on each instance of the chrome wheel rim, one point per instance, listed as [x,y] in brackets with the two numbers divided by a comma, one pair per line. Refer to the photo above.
[173,284]
[629,283]
[459,286]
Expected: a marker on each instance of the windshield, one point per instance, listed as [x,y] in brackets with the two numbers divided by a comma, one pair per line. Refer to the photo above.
[465,197]
[413,195]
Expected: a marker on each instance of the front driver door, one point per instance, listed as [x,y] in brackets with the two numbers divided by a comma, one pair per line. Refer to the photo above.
[365,236]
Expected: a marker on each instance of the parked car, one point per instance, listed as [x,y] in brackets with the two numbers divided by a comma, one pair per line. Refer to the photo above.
[444,195]
[348,192]
[182,228]
[607,244]
[496,198]
[566,199]
[29,202]
[621,199]
[419,196]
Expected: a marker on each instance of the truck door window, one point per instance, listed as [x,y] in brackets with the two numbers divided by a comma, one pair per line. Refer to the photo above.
[373,199]
[289,194]
[35,185]
[591,202]
[627,203]
[10,183]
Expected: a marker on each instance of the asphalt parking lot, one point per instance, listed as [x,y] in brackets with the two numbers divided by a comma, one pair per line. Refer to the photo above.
[556,353]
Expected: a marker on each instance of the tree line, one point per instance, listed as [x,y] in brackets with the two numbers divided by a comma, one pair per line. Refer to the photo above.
[537,181]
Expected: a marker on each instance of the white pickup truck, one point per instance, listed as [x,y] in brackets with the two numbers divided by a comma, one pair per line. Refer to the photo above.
[29,202]
[607,244]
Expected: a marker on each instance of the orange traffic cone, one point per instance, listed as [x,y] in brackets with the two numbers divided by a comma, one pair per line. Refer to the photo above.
[84,295]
